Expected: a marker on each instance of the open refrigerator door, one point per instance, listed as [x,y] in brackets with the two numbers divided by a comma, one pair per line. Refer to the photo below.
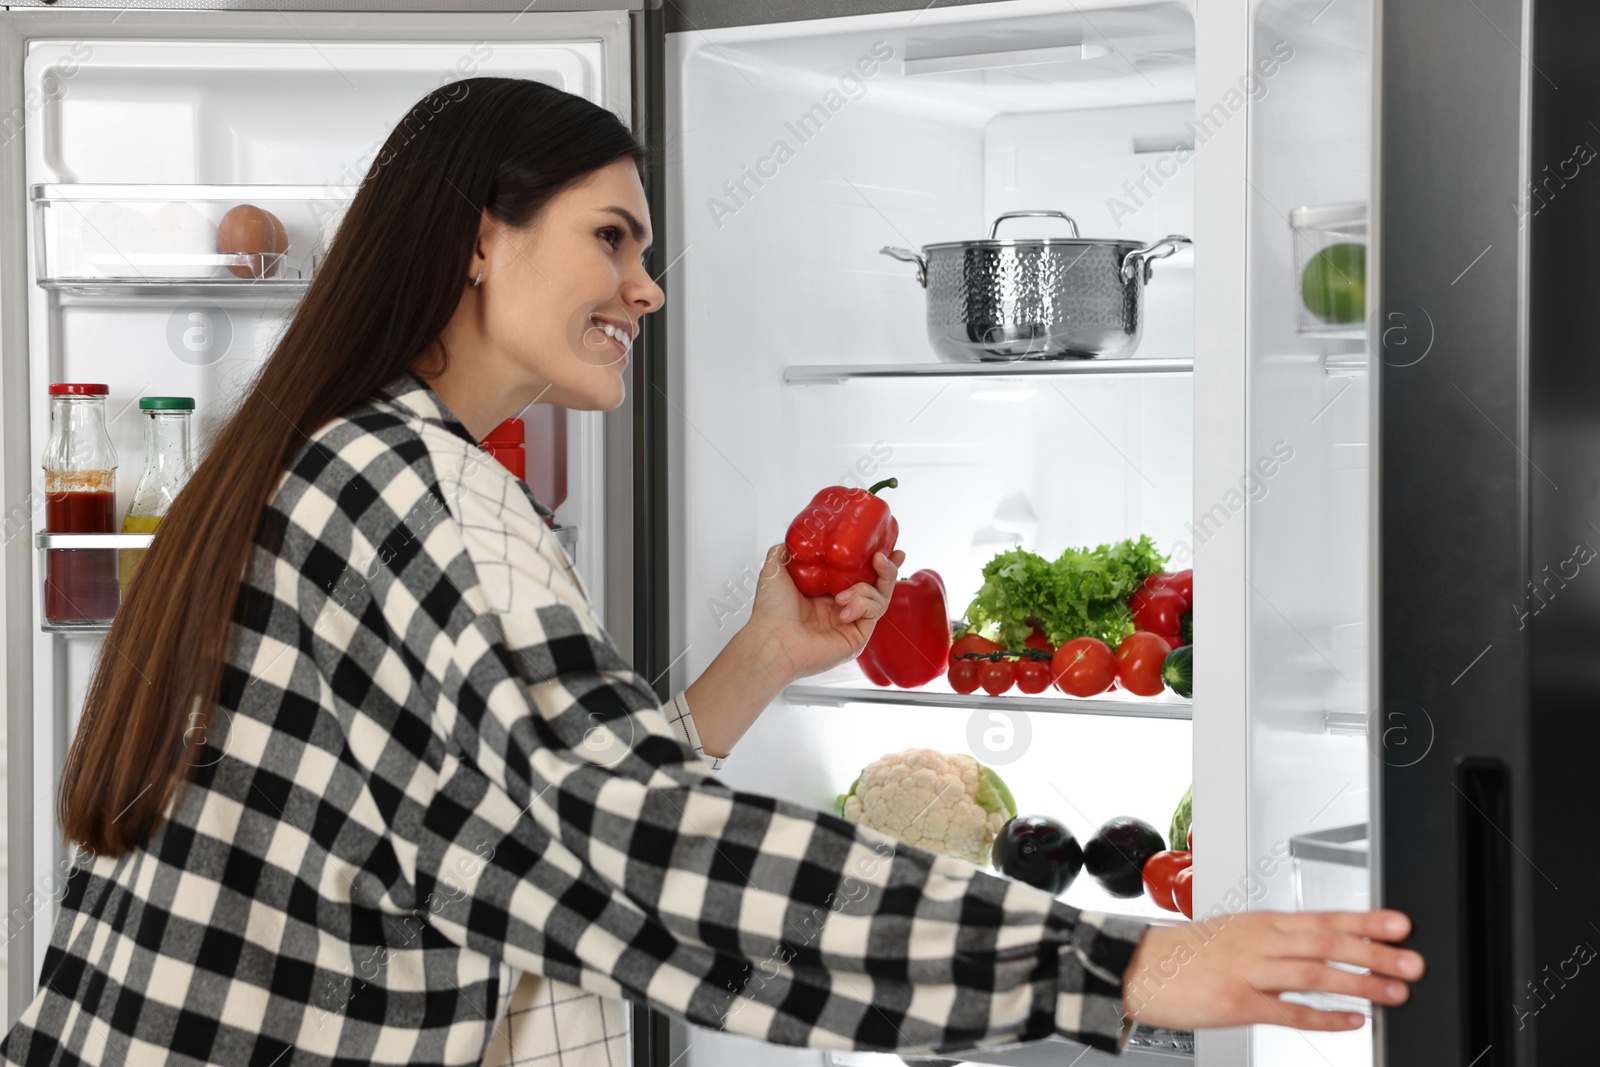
[1310,536]
[141,131]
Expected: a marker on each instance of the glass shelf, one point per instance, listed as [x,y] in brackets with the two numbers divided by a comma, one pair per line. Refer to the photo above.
[835,374]
[939,695]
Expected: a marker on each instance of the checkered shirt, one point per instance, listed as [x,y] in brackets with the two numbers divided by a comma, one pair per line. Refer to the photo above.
[430,771]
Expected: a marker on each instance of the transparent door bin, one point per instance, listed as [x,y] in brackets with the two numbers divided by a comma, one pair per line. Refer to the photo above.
[1331,301]
[82,554]
[101,240]
[1330,874]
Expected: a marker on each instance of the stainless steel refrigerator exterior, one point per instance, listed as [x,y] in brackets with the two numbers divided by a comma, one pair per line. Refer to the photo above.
[1489,404]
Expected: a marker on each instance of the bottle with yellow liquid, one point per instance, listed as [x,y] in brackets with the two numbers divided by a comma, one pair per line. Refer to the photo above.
[167,465]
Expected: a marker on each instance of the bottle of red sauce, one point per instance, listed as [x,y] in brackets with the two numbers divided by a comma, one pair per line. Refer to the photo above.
[80,470]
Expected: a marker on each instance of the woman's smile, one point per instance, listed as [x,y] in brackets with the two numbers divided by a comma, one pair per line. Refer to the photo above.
[618,336]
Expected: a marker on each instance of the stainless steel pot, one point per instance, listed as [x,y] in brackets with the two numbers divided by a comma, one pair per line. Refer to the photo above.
[1053,298]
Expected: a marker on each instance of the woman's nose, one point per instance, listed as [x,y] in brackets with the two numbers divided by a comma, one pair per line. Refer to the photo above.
[642,294]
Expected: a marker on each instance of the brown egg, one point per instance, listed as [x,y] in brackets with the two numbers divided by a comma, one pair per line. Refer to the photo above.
[247,228]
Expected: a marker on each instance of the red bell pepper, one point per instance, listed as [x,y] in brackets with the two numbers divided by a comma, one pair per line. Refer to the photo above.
[831,543]
[910,644]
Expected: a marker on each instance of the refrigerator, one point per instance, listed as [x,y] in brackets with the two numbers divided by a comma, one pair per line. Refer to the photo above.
[1339,488]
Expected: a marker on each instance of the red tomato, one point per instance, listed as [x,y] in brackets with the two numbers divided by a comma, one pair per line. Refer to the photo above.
[963,675]
[1038,640]
[1158,872]
[996,676]
[971,643]
[1190,843]
[1033,675]
[1183,891]
[1139,660]
[1159,612]
[1083,667]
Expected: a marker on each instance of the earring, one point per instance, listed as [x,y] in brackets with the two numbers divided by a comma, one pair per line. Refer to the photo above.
[478,280]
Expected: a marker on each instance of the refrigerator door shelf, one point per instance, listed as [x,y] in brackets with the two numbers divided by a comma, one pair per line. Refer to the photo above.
[835,374]
[47,540]
[1330,868]
[162,240]
[1314,230]
[836,695]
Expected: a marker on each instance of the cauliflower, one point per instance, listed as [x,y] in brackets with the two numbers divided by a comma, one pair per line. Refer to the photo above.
[950,804]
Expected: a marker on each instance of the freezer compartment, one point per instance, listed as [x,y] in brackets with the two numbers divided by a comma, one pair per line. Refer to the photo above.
[182,239]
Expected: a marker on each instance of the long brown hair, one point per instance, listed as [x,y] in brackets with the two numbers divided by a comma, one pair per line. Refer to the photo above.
[393,277]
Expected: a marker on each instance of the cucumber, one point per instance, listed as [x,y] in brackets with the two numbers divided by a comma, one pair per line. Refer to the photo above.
[1178,671]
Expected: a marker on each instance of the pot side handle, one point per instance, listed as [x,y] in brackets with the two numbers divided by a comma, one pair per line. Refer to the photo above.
[1143,257]
[908,256]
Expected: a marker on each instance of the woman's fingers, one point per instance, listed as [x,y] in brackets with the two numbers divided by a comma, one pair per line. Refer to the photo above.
[1305,976]
[864,601]
[1327,941]
[1287,1013]
[1381,925]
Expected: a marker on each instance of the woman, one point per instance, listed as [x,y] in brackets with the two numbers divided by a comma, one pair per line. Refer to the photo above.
[335,812]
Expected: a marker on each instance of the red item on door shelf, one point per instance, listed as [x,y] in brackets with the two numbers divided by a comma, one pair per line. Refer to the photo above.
[547,453]
[910,644]
[832,542]
[504,443]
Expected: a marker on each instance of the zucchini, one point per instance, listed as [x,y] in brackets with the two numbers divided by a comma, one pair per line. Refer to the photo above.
[1178,671]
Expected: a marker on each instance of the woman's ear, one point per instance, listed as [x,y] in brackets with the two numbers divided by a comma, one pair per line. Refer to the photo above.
[491,231]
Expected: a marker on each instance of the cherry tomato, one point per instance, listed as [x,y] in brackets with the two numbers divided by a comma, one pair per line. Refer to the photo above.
[1139,660]
[1038,640]
[971,643]
[996,676]
[963,675]
[1183,891]
[1158,872]
[1159,612]
[1033,675]
[1083,667]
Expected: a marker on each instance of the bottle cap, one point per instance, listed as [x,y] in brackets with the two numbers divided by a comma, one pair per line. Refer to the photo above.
[510,432]
[166,403]
[78,389]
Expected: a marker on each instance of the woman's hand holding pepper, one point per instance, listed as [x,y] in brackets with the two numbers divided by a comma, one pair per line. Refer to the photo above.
[789,636]
[809,634]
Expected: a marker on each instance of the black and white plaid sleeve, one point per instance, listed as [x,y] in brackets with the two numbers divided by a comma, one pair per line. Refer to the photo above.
[568,830]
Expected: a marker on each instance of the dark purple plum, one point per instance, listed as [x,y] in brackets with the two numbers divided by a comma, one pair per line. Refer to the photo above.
[1115,856]
[1040,851]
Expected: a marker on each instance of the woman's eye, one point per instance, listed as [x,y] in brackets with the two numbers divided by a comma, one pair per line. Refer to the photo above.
[611,236]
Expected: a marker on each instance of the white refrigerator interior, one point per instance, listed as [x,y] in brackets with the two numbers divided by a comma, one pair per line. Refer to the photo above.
[130,168]
[801,150]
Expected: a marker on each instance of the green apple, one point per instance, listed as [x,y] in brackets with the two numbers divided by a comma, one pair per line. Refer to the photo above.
[1334,285]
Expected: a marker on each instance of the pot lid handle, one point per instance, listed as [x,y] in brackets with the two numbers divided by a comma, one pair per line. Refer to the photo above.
[1033,215]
